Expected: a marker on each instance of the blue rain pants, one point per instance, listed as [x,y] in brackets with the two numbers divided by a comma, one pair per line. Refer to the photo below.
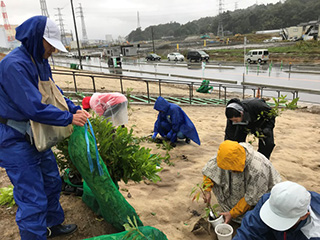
[37,186]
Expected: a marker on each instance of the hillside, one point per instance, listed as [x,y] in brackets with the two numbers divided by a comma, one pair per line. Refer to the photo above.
[242,21]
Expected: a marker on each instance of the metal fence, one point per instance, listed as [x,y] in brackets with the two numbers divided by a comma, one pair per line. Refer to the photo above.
[223,86]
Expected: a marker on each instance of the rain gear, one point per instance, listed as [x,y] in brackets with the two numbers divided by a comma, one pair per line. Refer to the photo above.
[257,178]
[252,122]
[252,227]
[172,121]
[35,175]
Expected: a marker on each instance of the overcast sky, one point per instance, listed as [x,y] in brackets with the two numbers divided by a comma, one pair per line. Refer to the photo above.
[119,17]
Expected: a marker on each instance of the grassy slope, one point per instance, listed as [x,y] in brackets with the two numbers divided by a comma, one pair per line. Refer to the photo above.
[298,52]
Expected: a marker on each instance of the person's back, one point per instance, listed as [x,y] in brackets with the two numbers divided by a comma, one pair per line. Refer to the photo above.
[173,123]
[253,116]
[239,176]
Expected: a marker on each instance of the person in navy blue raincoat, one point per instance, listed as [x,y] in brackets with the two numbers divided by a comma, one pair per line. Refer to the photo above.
[173,123]
[289,212]
[34,174]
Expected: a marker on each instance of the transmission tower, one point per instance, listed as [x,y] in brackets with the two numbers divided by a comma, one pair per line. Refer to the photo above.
[138,21]
[44,9]
[61,25]
[7,26]
[84,31]
[235,5]
[220,25]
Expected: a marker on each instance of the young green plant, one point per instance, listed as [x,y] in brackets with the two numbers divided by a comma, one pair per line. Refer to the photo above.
[199,190]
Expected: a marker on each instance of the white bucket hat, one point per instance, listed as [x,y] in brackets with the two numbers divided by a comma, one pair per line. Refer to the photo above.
[52,35]
[287,203]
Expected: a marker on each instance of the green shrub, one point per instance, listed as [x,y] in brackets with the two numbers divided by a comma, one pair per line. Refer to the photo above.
[120,150]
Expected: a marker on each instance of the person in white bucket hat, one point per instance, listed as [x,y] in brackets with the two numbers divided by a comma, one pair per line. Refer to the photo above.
[289,212]
[34,174]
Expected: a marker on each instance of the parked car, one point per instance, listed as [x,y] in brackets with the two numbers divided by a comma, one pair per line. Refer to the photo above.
[70,55]
[197,55]
[153,57]
[257,55]
[175,57]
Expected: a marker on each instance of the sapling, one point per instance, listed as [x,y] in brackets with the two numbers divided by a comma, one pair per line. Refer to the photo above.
[200,189]
[280,105]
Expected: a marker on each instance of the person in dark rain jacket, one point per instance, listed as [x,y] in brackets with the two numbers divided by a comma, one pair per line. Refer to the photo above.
[250,116]
[289,212]
[173,123]
[34,174]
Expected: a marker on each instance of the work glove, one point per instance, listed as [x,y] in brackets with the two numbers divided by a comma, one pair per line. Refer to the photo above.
[154,135]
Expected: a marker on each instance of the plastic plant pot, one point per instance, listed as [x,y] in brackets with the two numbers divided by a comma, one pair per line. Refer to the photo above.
[224,231]
[215,221]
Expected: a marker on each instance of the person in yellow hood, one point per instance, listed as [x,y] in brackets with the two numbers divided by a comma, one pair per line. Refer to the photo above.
[238,176]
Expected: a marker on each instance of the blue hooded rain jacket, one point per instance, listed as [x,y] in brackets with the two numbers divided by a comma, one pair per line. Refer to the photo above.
[35,175]
[172,120]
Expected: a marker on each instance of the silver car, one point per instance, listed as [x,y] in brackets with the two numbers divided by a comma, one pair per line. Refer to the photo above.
[175,57]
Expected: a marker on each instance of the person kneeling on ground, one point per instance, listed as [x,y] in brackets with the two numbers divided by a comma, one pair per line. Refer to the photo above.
[289,212]
[238,177]
[112,106]
[250,115]
[173,123]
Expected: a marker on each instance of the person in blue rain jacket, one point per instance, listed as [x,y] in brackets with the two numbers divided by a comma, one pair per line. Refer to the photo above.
[289,212]
[173,123]
[34,175]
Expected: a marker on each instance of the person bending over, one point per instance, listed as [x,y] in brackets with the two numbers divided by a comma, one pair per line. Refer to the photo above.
[250,116]
[289,212]
[238,177]
[173,123]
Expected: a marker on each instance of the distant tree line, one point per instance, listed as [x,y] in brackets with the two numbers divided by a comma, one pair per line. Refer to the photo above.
[243,21]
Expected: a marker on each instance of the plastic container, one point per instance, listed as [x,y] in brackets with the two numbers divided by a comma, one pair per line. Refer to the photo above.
[224,231]
[215,222]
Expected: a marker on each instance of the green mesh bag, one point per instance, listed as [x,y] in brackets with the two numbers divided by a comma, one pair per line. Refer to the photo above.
[143,233]
[113,206]
[89,199]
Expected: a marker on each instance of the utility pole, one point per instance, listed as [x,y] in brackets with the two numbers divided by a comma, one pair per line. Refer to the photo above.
[220,25]
[152,40]
[138,20]
[75,29]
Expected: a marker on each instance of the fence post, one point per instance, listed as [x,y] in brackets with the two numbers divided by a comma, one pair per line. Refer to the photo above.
[159,87]
[74,81]
[148,93]
[190,92]
[121,84]
[225,94]
[94,85]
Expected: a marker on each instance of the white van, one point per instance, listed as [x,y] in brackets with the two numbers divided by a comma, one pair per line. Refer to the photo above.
[257,55]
